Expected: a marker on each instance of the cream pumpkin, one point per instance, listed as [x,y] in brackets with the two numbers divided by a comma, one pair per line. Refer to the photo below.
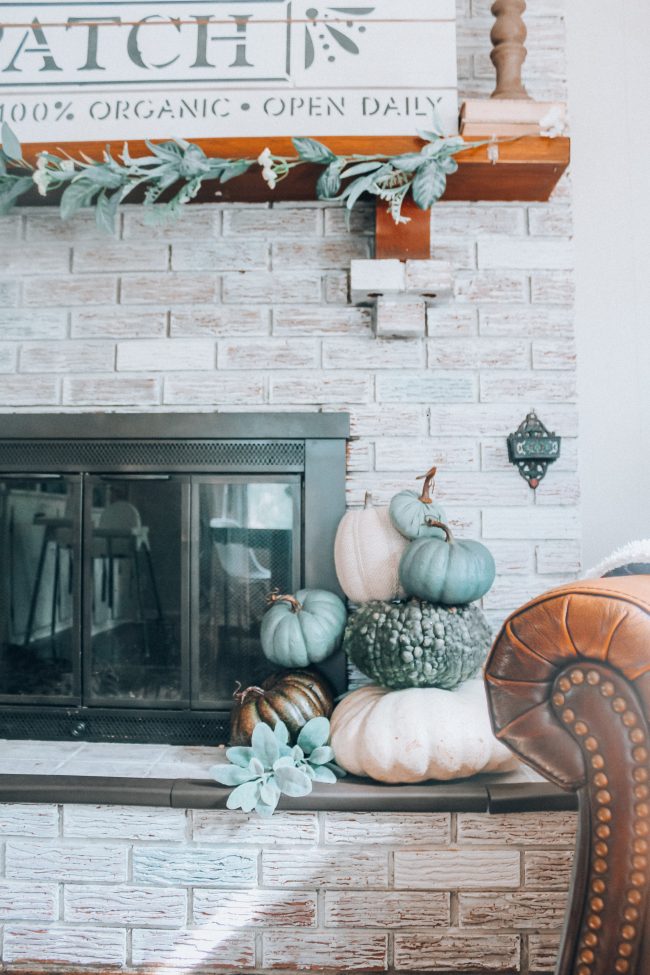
[417,734]
[367,553]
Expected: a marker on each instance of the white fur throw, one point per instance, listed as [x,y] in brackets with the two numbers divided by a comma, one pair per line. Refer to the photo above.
[635,555]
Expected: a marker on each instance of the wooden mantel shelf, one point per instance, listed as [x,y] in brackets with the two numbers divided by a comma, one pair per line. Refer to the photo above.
[527,170]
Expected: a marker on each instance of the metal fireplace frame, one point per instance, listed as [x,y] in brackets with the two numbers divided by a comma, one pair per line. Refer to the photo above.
[310,445]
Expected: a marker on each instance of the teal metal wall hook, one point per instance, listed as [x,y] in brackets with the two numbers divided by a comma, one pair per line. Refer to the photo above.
[532,448]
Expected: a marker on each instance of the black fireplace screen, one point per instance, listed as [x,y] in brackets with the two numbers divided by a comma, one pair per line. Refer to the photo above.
[131,599]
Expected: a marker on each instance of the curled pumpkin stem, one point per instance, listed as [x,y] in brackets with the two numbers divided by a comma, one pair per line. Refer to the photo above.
[429,483]
[242,696]
[449,536]
[277,597]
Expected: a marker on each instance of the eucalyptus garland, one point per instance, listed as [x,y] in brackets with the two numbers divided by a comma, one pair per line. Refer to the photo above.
[181,168]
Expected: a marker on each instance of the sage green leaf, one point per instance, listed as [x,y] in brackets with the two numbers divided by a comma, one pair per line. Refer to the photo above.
[410,162]
[233,169]
[12,191]
[324,774]
[256,767]
[10,143]
[75,197]
[239,755]
[429,185]
[297,754]
[358,169]
[322,755]
[312,151]
[265,745]
[286,761]
[106,211]
[337,770]
[245,796]
[292,781]
[329,182]
[314,734]
[281,732]
[270,792]
[264,809]
[103,176]
[231,774]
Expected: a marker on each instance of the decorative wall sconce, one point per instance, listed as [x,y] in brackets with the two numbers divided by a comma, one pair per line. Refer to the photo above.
[532,448]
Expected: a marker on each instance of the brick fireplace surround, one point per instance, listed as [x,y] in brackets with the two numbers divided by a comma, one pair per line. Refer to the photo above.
[246,308]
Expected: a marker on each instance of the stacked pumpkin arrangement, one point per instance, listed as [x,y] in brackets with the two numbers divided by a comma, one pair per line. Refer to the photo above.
[416,633]
[419,635]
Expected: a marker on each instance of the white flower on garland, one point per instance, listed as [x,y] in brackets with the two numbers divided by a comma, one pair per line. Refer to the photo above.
[43,175]
[265,160]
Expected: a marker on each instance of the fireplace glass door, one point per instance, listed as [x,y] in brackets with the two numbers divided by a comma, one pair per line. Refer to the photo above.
[168,577]
[39,592]
[248,538]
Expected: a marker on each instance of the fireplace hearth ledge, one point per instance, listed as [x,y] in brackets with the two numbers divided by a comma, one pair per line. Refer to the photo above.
[143,782]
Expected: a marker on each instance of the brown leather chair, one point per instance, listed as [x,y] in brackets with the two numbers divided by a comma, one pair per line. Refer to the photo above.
[569,689]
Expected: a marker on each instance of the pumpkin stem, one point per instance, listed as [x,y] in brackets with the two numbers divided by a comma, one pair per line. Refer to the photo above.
[367,501]
[429,483]
[277,597]
[432,523]
[242,696]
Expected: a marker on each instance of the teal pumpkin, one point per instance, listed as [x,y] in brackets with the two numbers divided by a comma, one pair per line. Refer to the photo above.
[411,511]
[447,572]
[303,629]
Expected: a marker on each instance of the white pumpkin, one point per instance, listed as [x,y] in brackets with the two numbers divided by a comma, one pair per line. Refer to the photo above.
[367,553]
[417,734]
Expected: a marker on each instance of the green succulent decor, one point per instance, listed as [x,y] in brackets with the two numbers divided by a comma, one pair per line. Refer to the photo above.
[181,168]
[271,767]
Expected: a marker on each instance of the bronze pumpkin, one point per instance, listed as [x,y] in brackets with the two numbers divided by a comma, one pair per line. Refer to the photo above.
[293,697]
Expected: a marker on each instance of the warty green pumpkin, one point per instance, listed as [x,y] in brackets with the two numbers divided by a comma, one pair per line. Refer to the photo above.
[416,644]
[447,571]
[411,511]
[303,629]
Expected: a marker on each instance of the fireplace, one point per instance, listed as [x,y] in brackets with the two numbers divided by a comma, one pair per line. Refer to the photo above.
[137,556]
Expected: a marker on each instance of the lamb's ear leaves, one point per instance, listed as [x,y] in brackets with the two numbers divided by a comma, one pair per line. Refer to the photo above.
[265,745]
[245,796]
[10,143]
[281,732]
[324,774]
[322,755]
[292,781]
[314,734]
[231,774]
[270,792]
[239,755]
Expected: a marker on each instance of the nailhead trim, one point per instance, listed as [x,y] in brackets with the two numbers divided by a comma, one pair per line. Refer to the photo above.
[629,929]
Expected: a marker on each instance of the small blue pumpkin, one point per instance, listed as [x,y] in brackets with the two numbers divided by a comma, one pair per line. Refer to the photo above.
[447,572]
[411,512]
[303,629]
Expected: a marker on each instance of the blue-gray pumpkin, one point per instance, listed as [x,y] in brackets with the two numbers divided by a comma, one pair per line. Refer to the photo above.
[411,511]
[303,629]
[447,572]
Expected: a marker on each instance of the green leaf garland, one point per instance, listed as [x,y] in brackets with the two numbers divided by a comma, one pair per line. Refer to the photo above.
[180,167]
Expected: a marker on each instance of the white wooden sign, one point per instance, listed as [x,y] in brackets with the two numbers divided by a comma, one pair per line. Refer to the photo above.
[73,71]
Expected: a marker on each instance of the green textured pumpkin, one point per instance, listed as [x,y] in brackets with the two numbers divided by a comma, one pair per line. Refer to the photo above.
[416,644]
[411,511]
[303,629]
[449,572]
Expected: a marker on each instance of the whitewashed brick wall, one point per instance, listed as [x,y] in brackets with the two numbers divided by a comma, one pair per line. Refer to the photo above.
[198,890]
[246,308]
